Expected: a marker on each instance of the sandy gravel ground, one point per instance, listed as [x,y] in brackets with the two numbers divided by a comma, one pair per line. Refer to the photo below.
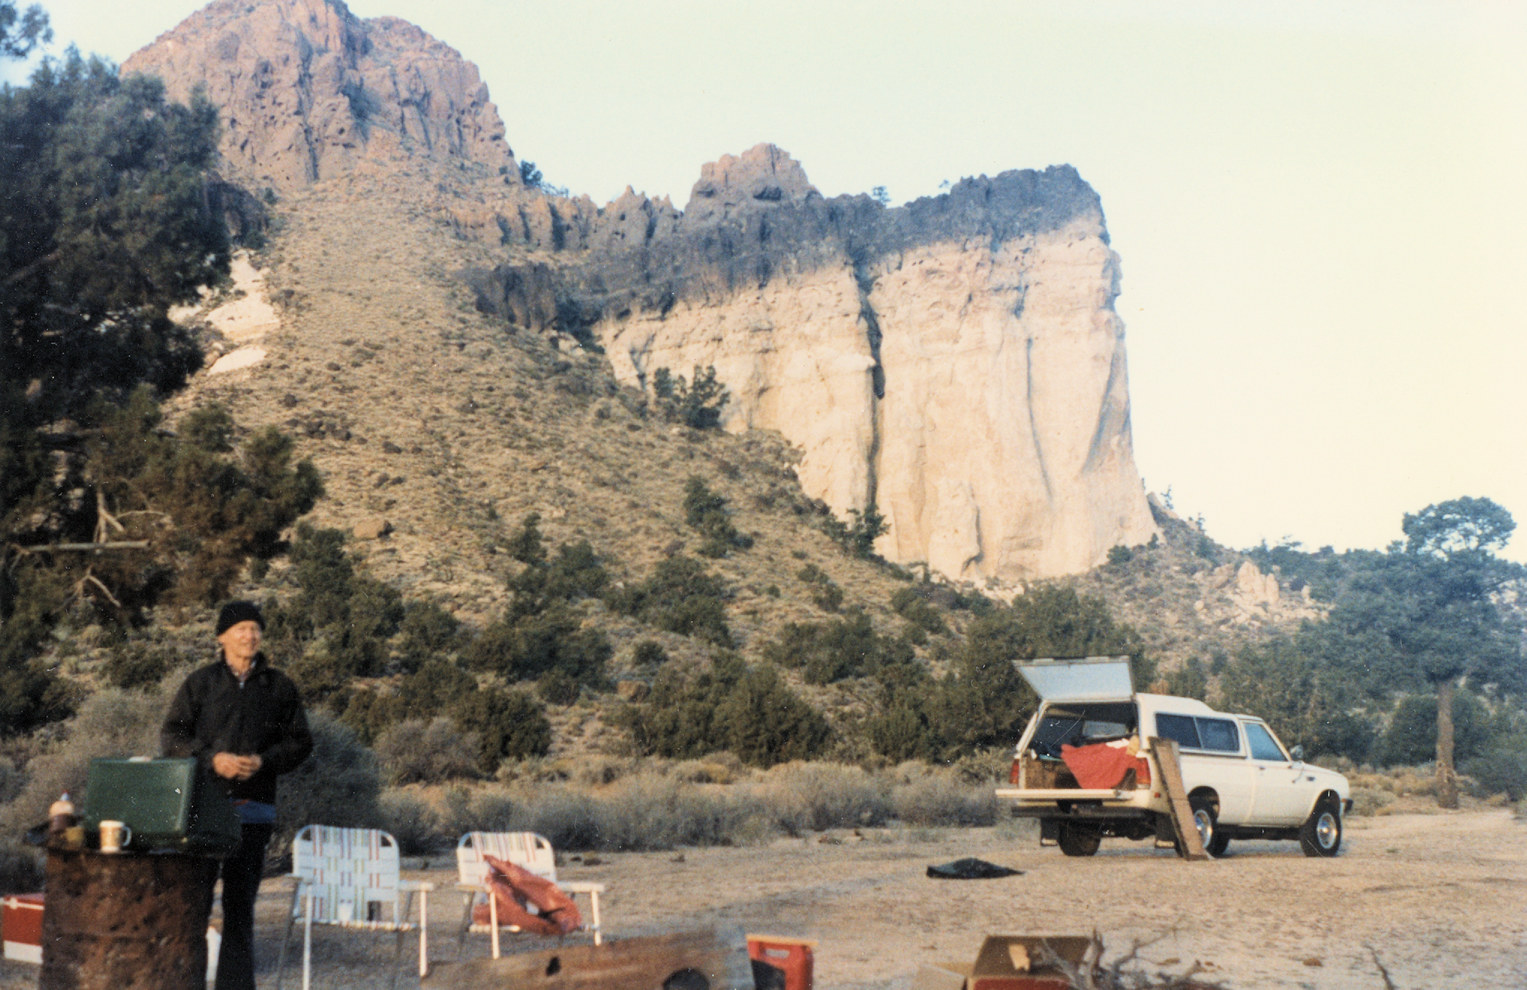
[1440,898]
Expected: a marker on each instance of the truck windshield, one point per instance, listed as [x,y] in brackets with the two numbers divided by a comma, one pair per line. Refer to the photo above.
[1079,724]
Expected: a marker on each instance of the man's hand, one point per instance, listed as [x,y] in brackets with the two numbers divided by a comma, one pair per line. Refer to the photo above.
[231,766]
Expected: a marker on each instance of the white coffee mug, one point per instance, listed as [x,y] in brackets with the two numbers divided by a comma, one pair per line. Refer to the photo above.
[115,835]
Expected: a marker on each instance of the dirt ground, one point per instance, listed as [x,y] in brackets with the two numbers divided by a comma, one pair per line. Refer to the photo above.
[1441,899]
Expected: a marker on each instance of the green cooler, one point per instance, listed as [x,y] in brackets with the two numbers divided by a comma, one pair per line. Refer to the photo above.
[170,805]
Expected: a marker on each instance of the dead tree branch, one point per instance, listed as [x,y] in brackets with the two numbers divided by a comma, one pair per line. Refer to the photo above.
[82,547]
[104,520]
[89,578]
[1091,974]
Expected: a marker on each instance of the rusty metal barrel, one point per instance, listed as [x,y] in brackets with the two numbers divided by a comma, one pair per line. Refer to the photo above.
[131,921]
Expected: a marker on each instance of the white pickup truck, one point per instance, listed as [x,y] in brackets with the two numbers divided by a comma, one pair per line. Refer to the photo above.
[1239,780]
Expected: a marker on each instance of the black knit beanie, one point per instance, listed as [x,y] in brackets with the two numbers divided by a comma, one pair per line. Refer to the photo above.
[238,611]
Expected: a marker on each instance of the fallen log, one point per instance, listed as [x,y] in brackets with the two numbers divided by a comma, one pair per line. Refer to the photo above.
[715,959]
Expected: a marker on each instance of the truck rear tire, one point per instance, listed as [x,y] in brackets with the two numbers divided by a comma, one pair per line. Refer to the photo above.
[1076,839]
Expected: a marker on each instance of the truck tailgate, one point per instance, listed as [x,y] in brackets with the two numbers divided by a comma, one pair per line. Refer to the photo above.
[1060,794]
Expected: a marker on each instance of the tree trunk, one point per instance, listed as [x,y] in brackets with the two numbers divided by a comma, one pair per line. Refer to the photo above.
[1447,779]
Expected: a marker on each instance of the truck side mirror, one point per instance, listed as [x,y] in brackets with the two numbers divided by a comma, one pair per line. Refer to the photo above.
[1298,754]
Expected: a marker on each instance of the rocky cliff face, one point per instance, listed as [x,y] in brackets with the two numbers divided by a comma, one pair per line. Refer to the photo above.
[956,362]
[308,90]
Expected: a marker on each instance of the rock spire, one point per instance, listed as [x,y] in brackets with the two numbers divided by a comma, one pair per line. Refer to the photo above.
[308,90]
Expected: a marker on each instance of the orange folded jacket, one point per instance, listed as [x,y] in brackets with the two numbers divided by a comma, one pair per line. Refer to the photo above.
[516,890]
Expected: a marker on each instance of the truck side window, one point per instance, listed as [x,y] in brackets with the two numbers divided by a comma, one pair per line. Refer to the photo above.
[1219,735]
[1263,745]
[1178,727]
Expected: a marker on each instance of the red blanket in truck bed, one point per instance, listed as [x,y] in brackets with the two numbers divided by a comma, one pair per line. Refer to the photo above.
[1103,765]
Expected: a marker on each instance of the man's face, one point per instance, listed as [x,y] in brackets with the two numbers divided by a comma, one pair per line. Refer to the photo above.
[240,643]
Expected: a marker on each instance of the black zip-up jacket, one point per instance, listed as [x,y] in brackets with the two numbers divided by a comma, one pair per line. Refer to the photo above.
[213,714]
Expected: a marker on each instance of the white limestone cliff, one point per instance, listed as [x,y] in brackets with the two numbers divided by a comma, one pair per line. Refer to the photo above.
[1005,447]
[974,390]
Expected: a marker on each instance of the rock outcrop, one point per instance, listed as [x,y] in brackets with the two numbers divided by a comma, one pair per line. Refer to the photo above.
[308,90]
[1252,586]
[956,362]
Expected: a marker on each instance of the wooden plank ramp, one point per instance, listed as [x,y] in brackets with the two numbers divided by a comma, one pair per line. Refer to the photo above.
[1189,844]
[711,959]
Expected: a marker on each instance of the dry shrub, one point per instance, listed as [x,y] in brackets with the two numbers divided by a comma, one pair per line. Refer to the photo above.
[598,770]
[533,770]
[340,784]
[940,797]
[567,817]
[20,868]
[416,751]
[717,768]
[811,797]
[638,814]
[412,821]
[1413,782]
[651,812]
[465,810]
[644,812]
[1368,801]
[11,780]
[1398,781]
[1422,783]
[584,770]
[667,806]
[987,766]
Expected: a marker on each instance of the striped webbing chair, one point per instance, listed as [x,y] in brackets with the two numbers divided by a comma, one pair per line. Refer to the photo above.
[349,878]
[526,850]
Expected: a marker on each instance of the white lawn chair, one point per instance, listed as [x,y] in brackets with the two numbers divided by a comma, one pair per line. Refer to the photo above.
[348,877]
[526,850]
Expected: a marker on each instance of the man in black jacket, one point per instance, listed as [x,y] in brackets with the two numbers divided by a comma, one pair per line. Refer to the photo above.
[242,719]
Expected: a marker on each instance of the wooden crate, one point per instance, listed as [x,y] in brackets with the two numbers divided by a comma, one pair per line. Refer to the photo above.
[1040,774]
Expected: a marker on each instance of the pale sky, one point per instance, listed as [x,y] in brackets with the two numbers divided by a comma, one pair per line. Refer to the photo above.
[1319,206]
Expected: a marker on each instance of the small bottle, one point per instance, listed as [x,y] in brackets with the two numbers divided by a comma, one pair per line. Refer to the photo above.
[60,816]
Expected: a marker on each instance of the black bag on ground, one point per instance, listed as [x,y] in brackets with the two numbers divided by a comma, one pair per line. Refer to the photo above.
[971,868]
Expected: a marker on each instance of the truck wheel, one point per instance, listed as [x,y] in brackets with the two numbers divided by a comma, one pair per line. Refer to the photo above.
[1320,835]
[1078,840]
[1206,820]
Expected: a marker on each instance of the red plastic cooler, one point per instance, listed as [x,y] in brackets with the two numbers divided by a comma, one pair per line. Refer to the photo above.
[793,956]
[21,925]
